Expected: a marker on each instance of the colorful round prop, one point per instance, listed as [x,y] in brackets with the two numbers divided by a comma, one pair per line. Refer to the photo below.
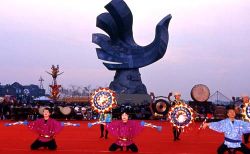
[200,93]
[246,112]
[103,100]
[181,115]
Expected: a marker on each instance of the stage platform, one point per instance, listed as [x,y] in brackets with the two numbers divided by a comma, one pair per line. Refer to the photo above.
[84,140]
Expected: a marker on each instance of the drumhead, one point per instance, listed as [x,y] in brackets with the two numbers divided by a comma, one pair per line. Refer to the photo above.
[200,93]
[41,108]
[65,110]
[60,107]
[161,106]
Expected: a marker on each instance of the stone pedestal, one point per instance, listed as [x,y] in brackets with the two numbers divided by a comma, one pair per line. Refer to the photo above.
[128,82]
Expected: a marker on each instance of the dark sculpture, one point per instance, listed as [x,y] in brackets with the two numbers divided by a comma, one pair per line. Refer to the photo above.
[120,51]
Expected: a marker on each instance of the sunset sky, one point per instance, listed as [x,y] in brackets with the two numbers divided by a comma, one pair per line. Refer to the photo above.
[209,43]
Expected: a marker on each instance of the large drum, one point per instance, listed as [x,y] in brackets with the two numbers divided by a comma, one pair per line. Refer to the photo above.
[65,110]
[200,93]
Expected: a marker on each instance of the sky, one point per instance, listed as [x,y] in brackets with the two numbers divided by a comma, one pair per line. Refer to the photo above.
[208,43]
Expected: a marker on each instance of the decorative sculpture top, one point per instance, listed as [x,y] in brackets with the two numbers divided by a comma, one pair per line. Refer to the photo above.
[55,88]
[55,71]
[120,46]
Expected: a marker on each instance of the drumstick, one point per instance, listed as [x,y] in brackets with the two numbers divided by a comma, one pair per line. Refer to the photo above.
[95,123]
[107,120]
[202,123]
[145,124]
[209,116]
[70,124]
[17,123]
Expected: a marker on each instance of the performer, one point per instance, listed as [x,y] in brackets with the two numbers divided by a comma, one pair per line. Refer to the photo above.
[245,101]
[233,130]
[105,117]
[125,130]
[177,101]
[46,128]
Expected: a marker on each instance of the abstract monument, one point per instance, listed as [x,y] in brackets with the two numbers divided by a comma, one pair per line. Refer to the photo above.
[121,53]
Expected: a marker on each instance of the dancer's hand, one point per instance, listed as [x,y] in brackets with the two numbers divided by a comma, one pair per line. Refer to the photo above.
[103,123]
[205,125]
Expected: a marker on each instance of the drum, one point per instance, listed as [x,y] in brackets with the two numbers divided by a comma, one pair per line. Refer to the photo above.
[200,93]
[41,108]
[65,110]
[160,107]
[60,107]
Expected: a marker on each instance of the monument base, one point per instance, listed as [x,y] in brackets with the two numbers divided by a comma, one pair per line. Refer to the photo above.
[128,81]
[133,99]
